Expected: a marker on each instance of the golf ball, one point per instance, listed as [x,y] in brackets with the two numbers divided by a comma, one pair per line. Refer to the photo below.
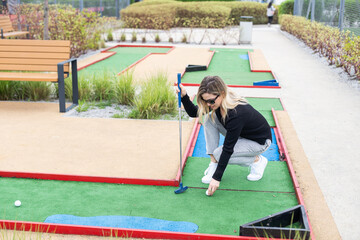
[207,193]
[17,203]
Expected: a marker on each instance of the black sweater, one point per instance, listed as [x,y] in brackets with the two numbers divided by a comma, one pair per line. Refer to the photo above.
[242,121]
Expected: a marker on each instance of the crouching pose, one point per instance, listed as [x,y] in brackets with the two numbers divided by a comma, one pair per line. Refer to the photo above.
[247,133]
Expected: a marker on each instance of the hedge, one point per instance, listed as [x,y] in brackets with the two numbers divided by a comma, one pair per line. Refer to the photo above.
[213,14]
[340,48]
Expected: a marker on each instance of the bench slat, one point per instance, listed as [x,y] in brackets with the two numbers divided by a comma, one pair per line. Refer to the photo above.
[35,68]
[6,24]
[59,56]
[11,76]
[14,34]
[4,48]
[29,61]
[7,29]
[26,42]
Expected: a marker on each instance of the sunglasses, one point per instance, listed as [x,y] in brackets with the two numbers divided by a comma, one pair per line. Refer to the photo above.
[210,101]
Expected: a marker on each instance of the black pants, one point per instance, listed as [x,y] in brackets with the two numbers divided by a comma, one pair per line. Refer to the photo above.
[270,19]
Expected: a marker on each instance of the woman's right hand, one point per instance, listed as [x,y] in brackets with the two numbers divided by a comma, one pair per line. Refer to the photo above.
[183,90]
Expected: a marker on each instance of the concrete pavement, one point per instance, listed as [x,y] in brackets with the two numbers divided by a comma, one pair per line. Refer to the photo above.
[325,110]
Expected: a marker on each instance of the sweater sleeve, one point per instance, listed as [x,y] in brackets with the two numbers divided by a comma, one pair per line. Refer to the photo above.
[190,108]
[234,127]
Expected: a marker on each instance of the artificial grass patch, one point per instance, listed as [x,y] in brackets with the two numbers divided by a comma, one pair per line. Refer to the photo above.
[222,213]
[265,103]
[276,176]
[231,66]
[124,57]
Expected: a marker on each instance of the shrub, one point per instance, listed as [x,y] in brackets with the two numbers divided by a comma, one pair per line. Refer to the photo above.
[83,29]
[110,36]
[197,14]
[123,37]
[85,86]
[36,91]
[11,90]
[125,89]
[103,85]
[150,16]
[286,7]
[157,38]
[155,14]
[184,38]
[133,37]
[340,48]
[157,97]
[205,0]
[254,9]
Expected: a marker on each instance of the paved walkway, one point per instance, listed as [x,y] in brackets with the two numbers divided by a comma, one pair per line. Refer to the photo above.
[325,111]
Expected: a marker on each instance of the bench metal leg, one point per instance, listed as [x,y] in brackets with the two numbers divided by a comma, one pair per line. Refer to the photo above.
[61,86]
[75,87]
[61,82]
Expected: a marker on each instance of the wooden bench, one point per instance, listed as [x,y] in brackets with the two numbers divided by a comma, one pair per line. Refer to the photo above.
[39,60]
[7,30]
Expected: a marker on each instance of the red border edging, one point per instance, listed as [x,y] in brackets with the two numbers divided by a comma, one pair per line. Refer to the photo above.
[85,66]
[188,149]
[136,181]
[283,149]
[239,86]
[142,59]
[132,65]
[114,232]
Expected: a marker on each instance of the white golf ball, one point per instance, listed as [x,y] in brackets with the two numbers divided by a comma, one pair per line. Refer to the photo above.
[207,193]
[17,203]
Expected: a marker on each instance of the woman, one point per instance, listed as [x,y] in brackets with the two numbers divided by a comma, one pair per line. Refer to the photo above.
[247,133]
[5,7]
[270,12]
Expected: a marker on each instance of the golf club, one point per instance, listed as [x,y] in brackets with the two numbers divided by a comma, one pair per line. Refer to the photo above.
[181,189]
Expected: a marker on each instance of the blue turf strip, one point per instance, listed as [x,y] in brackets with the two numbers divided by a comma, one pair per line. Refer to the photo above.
[272,154]
[125,222]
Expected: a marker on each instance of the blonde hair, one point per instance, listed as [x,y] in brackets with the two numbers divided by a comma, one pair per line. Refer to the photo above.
[216,86]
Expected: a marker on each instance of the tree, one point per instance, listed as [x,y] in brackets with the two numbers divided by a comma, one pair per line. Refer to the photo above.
[46,20]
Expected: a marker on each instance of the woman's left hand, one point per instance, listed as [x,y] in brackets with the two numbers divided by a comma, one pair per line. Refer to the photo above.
[213,186]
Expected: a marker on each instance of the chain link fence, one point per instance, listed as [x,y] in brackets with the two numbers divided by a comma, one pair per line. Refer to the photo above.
[344,14]
[110,8]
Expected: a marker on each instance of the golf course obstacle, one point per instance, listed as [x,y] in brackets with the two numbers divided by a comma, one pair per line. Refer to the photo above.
[290,224]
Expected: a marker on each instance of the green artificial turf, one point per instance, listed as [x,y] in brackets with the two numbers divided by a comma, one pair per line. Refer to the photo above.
[124,57]
[276,176]
[222,213]
[265,103]
[228,64]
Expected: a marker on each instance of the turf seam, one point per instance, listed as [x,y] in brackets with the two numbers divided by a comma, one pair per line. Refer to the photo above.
[242,190]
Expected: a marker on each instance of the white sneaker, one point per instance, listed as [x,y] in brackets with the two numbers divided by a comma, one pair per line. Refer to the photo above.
[257,169]
[209,172]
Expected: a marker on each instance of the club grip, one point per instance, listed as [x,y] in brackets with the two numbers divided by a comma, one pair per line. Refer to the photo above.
[179,94]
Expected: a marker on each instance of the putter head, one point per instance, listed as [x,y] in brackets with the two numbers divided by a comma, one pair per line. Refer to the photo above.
[181,189]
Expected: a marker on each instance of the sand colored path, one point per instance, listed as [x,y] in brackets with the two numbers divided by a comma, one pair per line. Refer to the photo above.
[258,62]
[36,138]
[317,210]
[172,63]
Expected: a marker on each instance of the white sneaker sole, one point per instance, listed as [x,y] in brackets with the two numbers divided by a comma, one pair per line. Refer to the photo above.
[256,177]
